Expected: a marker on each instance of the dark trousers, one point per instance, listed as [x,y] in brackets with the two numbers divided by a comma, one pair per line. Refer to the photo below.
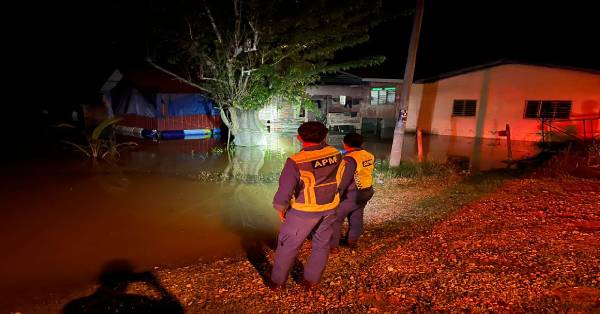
[294,231]
[354,212]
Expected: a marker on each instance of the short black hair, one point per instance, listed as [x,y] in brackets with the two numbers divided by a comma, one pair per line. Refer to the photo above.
[313,132]
[353,140]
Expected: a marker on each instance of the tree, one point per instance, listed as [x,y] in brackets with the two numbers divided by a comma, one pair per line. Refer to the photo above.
[246,54]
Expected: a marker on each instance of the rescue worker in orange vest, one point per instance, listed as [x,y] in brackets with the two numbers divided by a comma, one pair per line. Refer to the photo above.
[356,189]
[306,200]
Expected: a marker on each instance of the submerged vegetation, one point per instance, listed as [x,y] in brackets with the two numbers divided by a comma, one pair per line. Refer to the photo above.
[244,165]
[102,143]
[412,169]
[216,176]
[276,158]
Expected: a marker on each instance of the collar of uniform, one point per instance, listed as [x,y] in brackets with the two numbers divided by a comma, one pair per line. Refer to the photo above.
[354,150]
[314,147]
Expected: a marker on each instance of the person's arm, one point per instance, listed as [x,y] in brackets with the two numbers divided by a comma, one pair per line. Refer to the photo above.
[347,175]
[290,175]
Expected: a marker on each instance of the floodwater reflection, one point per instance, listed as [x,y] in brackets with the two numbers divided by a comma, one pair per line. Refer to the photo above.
[165,203]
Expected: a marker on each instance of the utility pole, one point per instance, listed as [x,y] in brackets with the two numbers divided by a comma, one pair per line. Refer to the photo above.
[402,108]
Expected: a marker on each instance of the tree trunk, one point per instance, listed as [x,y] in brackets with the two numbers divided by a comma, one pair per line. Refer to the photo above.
[248,161]
[246,127]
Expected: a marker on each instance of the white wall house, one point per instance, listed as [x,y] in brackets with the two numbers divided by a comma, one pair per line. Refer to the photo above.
[480,101]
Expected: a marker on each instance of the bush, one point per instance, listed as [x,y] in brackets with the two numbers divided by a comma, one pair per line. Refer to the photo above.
[577,160]
[593,154]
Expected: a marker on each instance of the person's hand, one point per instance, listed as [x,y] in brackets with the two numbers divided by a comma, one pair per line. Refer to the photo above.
[281,215]
[281,211]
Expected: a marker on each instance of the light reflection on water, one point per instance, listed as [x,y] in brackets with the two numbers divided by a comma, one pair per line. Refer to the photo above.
[187,158]
[62,220]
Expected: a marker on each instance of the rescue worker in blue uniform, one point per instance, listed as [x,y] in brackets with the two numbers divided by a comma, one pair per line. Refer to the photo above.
[306,200]
[356,189]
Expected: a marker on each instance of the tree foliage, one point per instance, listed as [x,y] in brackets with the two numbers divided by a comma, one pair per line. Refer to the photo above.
[246,53]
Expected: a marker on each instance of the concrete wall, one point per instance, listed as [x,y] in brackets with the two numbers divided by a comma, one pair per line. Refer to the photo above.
[501,93]
[414,106]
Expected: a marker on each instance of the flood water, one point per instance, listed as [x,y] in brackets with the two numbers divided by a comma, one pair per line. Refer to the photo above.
[160,205]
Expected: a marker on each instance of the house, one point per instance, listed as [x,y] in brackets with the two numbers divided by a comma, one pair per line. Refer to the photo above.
[480,101]
[342,100]
[150,98]
[338,99]
[379,111]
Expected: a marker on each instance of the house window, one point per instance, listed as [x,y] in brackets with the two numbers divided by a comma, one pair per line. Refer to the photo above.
[464,107]
[548,109]
[382,96]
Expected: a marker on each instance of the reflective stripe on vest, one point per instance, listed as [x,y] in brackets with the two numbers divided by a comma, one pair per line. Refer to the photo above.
[320,175]
[365,163]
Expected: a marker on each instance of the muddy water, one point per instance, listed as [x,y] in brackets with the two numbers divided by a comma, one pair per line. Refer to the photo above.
[61,220]
[59,231]
[477,154]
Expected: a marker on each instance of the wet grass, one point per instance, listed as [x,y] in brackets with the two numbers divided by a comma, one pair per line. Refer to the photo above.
[467,190]
[430,210]
[216,176]
[413,169]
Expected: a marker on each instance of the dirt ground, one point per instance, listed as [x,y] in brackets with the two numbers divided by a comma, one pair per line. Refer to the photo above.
[489,243]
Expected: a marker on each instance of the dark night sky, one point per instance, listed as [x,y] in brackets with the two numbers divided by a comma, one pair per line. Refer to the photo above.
[457,34]
[75,47]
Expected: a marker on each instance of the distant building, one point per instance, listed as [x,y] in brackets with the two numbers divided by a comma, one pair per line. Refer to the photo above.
[473,102]
[343,101]
[152,98]
[480,101]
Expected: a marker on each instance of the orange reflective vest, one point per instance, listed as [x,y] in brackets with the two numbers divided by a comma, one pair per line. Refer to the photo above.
[320,176]
[365,164]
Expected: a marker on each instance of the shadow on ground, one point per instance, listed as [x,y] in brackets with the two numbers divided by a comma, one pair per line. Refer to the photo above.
[112,296]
